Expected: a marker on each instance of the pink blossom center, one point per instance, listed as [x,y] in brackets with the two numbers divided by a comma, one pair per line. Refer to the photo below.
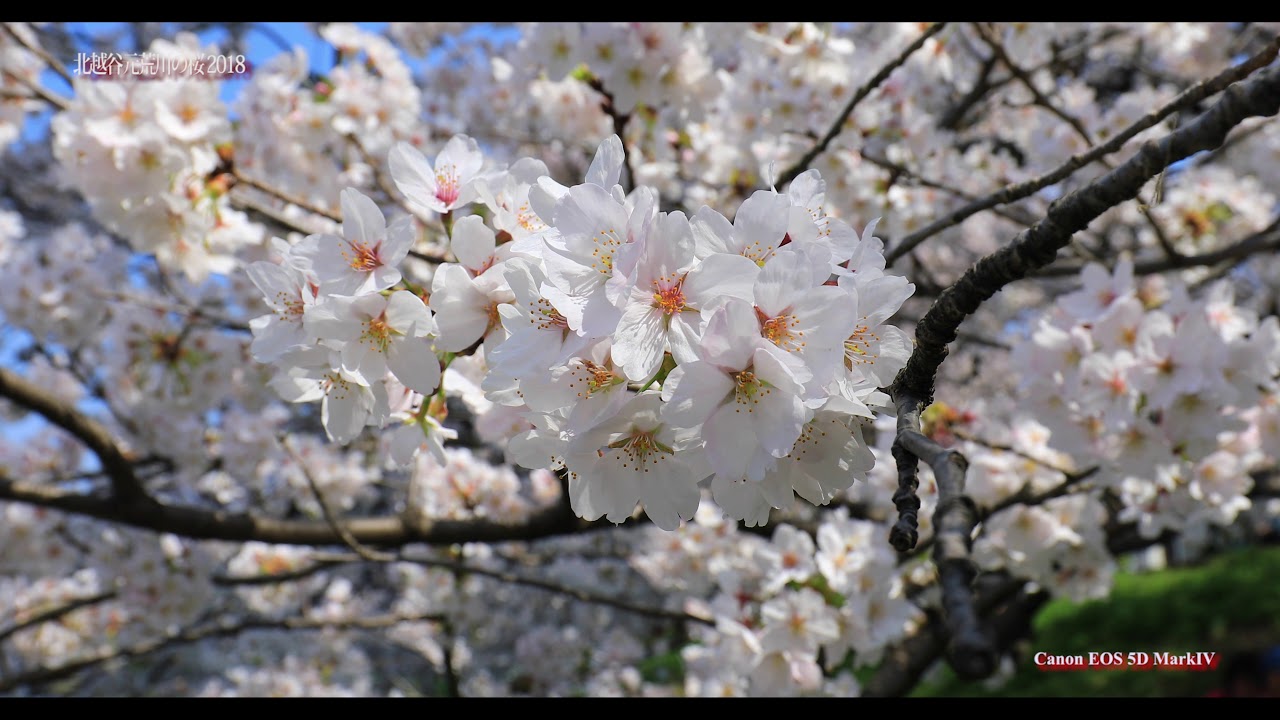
[447,186]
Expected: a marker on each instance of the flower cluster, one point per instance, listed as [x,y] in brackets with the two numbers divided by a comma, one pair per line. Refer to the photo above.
[1154,384]
[649,351]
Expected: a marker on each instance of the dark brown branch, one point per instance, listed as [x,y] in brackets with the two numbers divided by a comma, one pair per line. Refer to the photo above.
[203,524]
[328,513]
[820,147]
[951,119]
[1265,240]
[1036,247]
[41,676]
[905,663]
[126,489]
[972,652]
[55,613]
[1011,193]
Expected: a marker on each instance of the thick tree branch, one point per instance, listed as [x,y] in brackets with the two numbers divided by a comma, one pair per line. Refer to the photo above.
[973,655]
[202,524]
[1037,246]
[126,489]
[913,388]
[905,663]
[820,147]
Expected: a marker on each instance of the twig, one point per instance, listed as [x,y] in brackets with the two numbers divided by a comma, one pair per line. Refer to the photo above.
[1018,215]
[41,53]
[807,159]
[342,532]
[243,200]
[451,685]
[55,100]
[1041,100]
[517,579]
[1013,451]
[1037,246]
[387,186]
[285,195]
[194,312]
[1264,240]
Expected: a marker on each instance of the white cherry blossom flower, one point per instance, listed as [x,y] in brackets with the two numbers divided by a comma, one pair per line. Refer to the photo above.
[367,257]
[449,184]
[374,334]
[632,458]
[744,391]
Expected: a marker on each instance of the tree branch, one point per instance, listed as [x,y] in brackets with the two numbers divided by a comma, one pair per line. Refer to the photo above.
[1265,240]
[1041,100]
[202,524]
[1035,247]
[284,195]
[1011,193]
[39,52]
[329,515]
[820,147]
[55,613]
[905,663]
[41,676]
[126,489]
[955,518]
[581,595]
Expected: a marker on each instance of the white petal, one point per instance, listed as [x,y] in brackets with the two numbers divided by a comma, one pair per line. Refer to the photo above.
[606,166]
[472,242]
[362,221]
[414,364]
